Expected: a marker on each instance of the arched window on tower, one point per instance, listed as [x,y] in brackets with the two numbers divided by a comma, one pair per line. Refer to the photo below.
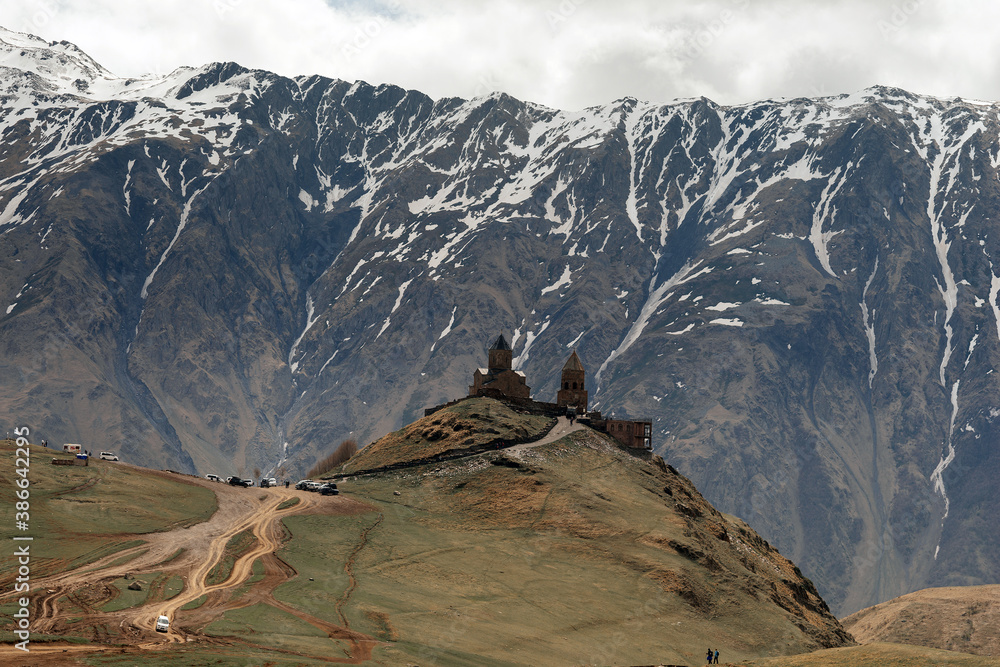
[574,385]
[565,385]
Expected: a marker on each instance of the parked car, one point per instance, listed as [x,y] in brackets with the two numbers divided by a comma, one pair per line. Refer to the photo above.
[329,489]
[213,478]
[268,481]
[302,484]
[109,456]
[239,481]
[162,624]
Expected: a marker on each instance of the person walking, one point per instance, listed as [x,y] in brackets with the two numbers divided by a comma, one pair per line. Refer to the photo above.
[716,660]
[709,655]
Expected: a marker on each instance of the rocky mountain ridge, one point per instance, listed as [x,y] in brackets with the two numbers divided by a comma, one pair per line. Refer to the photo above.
[224,270]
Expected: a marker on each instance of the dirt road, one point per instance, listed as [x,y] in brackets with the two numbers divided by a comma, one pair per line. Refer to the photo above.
[190,553]
[263,522]
[562,428]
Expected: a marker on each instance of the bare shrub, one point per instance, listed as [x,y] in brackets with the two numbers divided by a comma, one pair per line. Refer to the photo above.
[345,451]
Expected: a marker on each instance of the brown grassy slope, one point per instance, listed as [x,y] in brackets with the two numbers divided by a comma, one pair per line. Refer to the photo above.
[476,421]
[569,553]
[876,655]
[964,618]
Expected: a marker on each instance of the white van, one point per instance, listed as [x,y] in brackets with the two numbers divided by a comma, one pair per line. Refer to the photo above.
[108,456]
[162,624]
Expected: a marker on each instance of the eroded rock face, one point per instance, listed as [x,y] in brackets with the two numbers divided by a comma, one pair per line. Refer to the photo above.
[225,269]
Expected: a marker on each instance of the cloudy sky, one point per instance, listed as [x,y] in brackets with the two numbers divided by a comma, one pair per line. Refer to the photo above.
[563,53]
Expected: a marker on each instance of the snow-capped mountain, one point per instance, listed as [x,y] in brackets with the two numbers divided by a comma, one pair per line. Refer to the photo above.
[223,269]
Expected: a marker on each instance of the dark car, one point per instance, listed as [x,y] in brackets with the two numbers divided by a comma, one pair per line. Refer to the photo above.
[237,481]
[329,490]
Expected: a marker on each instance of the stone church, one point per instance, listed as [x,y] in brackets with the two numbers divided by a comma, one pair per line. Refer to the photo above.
[500,381]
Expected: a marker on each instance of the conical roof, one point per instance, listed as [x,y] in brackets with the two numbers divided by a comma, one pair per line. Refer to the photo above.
[573,363]
[500,344]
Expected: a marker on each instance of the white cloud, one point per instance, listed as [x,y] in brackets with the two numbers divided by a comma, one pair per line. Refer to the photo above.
[564,53]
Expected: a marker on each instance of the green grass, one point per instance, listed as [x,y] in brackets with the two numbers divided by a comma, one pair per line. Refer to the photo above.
[266,626]
[194,604]
[562,560]
[126,598]
[238,545]
[318,549]
[291,502]
[105,550]
[177,554]
[166,587]
[257,574]
[173,587]
[127,558]
[202,656]
[81,514]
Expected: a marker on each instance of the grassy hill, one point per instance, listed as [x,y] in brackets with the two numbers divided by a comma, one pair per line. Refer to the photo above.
[568,553]
[469,423]
[573,552]
[964,618]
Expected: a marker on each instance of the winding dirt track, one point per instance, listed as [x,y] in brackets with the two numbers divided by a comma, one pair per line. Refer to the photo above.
[203,545]
[264,525]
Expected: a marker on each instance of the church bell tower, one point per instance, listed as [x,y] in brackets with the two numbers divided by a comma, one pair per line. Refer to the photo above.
[501,356]
[573,392]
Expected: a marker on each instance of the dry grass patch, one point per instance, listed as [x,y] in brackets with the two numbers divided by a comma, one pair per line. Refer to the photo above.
[471,423]
[877,655]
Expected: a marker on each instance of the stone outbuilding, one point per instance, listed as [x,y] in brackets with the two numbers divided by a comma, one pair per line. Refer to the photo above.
[632,434]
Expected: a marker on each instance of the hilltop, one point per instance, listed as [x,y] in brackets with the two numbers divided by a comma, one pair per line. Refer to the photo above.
[958,618]
[468,424]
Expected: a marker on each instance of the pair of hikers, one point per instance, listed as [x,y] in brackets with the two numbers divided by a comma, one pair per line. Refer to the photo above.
[712,656]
